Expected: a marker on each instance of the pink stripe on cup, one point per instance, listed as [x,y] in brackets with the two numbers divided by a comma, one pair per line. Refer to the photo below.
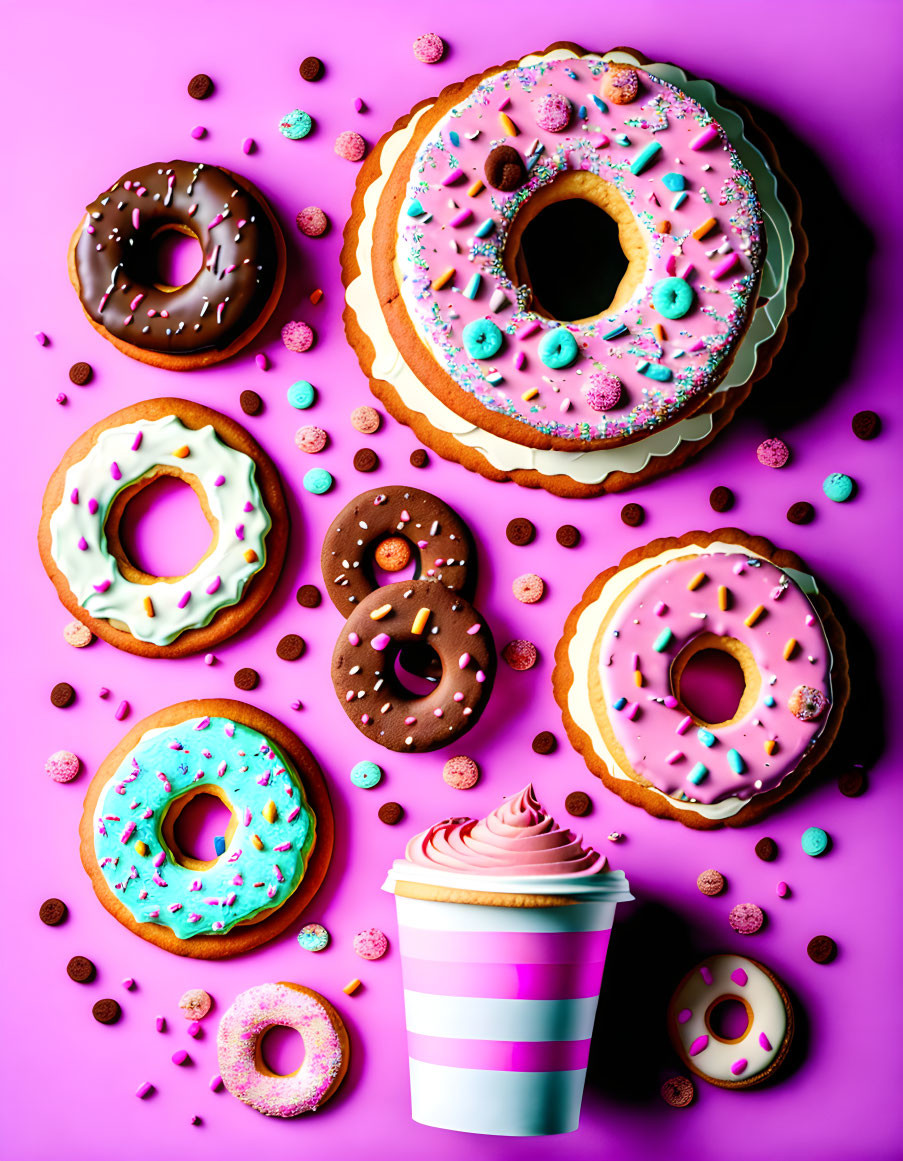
[500,1055]
[503,981]
[503,946]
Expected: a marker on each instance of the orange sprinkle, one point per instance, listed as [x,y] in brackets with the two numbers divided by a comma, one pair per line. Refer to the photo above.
[754,616]
[724,597]
[508,125]
[316,296]
[529,394]
[250,556]
[351,987]
[140,847]
[269,810]
[660,332]
[697,580]
[704,228]
[382,611]
[255,839]
[181,452]
[148,606]
[637,677]
[790,648]
[444,278]
[420,621]
[476,188]
[663,227]
[770,745]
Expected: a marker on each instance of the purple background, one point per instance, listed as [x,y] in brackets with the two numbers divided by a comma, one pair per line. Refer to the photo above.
[89,93]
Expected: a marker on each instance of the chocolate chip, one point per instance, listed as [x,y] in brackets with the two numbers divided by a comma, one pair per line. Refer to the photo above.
[246,679]
[390,813]
[505,168]
[852,782]
[767,849]
[62,695]
[366,460]
[633,515]
[106,1011]
[545,742]
[200,86]
[721,498]
[310,68]
[81,969]
[678,1092]
[419,458]
[866,424]
[568,536]
[290,647]
[520,530]
[81,373]
[821,949]
[801,512]
[251,403]
[578,803]
[53,911]
[308,596]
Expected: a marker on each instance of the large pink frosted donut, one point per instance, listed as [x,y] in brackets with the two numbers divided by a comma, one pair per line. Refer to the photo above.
[241,1064]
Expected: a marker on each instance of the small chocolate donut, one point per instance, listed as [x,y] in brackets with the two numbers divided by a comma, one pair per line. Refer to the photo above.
[441,544]
[363,666]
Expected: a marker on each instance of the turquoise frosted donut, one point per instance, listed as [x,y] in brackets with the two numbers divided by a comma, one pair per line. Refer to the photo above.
[268,842]
[558,348]
[673,297]
[482,338]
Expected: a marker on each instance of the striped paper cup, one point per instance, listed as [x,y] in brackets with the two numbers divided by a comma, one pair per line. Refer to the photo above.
[499,1007]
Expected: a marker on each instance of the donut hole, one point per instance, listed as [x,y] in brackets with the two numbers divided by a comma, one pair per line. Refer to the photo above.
[728,1019]
[280,1050]
[162,530]
[191,824]
[417,668]
[172,258]
[715,679]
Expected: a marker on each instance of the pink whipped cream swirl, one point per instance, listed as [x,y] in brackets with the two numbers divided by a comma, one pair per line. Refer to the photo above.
[516,839]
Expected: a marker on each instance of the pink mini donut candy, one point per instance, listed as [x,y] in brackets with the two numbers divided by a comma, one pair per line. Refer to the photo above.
[297,336]
[807,703]
[603,391]
[520,655]
[195,1004]
[370,944]
[350,145]
[366,420]
[310,439]
[62,766]
[461,773]
[772,453]
[620,84]
[429,48]
[77,634]
[528,588]
[746,918]
[553,112]
[312,221]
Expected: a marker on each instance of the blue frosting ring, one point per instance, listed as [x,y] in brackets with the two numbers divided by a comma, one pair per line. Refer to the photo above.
[558,348]
[482,338]
[673,297]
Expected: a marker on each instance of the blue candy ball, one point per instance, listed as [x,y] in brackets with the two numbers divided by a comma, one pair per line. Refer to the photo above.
[814,841]
[317,481]
[837,487]
[301,394]
[558,348]
[366,775]
[295,125]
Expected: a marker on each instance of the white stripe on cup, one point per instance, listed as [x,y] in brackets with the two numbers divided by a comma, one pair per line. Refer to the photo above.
[430,915]
[468,1018]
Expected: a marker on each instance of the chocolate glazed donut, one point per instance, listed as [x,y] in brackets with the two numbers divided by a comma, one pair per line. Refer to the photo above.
[222,307]
[363,666]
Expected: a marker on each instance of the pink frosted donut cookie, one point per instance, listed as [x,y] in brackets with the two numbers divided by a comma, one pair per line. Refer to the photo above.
[241,1064]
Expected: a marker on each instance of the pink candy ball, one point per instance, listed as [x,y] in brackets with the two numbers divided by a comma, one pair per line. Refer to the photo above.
[310,439]
[429,48]
[312,222]
[528,588]
[370,944]
[520,654]
[297,336]
[773,453]
[746,918]
[195,1004]
[461,773]
[350,145]
[365,419]
[553,112]
[603,391]
[77,635]
[62,766]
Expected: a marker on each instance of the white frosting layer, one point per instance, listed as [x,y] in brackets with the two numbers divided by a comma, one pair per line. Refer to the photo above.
[114,463]
[608,886]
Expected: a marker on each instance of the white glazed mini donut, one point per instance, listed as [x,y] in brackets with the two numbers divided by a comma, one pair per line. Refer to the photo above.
[241,1063]
[749,1058]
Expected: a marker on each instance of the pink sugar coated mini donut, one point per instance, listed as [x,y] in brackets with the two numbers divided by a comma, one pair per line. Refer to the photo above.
[772,453]
[603,391]
[807,703]
[312,221]
[461,773]
[297,336]
[350,145]
[62,766]
[528,588]
[520,655]
[77,634]
[370,944]
[310,439]
[553,112]
[366,420]
[746,918]
[195,1004]
[429,48]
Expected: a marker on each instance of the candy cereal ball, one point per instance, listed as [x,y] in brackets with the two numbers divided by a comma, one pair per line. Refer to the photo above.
[195,1004]
[837,487]
[312,222]
[62,766]
[461,773]
[366,420]
[370,944]
[366,775]
[392,554]
[301,395]
[772,453]
[807,703]
[350,145]
[317,481]
[553,112]
[603,391]
[313,937]
[297,336]
[295,125]
[429,48]
[620,84]
[310,439]
[520,655]
[746,918]
[678,1092]
[528,588]
[814,841]
[77,634]
[710,882]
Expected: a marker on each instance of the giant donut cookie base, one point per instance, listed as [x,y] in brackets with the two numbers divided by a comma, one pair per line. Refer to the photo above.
[246,936]
[227,621]
[207,357]
[653,801]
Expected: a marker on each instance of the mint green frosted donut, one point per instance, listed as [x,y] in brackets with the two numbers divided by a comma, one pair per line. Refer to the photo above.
[558,348]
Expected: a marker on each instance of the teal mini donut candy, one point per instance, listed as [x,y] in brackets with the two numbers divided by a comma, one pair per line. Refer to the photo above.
[482,339]
[673,297]
[317,481]
[365,775]
[558,348]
